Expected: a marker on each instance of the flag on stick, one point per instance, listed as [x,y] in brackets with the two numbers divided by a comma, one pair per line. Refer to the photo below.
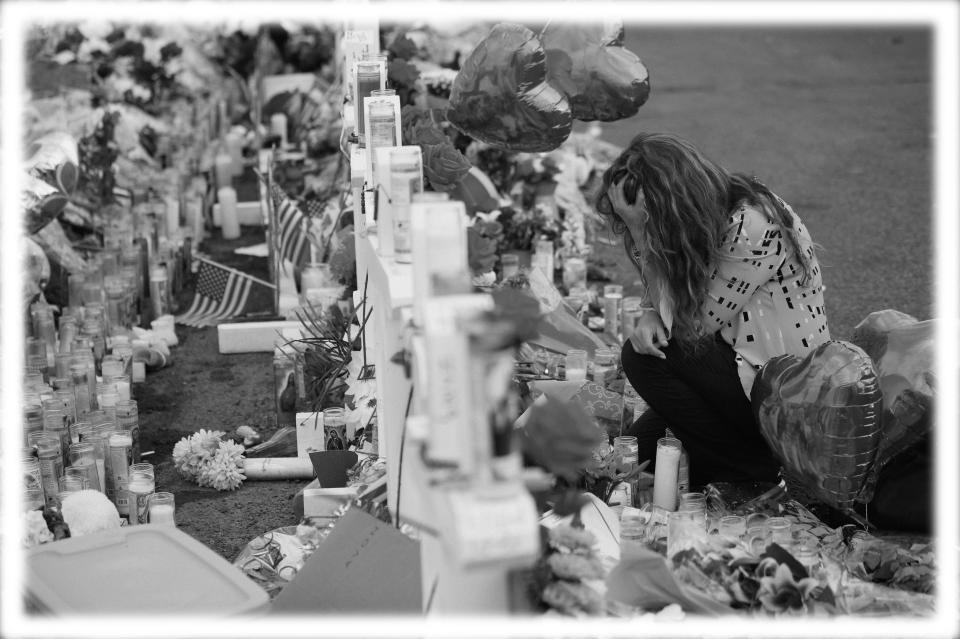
[222,293]
[292,237]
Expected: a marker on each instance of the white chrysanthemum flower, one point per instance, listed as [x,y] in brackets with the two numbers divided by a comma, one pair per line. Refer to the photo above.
[191,452]
[224,469]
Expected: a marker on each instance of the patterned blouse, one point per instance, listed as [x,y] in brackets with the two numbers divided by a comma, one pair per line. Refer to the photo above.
[755,297]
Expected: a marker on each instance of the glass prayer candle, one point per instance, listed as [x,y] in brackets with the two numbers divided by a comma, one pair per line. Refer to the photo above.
[161,509]
[733,527]
[665,473]
[780,531]
[612,309]
[604,365]
[83,458]
[141,485]
[576,365]
[406,180]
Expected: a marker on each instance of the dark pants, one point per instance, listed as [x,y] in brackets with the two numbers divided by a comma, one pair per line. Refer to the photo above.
[698,395]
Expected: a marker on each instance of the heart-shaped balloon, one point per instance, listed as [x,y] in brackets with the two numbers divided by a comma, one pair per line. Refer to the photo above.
[902,350]
[501,95]
[587,61]
[820,415]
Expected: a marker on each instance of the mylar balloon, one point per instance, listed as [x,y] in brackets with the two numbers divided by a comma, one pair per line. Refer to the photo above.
[501,95]
[902,351]
[587,61]
[820,415]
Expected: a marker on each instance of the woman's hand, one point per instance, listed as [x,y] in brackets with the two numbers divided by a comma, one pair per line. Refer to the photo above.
[631,214]
[649,334]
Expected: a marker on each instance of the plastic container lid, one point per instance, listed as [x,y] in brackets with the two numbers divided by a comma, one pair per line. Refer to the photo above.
[150,569]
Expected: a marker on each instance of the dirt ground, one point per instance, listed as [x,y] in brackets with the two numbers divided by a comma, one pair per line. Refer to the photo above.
[838,122]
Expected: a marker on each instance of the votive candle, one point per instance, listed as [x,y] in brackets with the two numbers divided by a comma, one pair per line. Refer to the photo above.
[665,474]
[229,220]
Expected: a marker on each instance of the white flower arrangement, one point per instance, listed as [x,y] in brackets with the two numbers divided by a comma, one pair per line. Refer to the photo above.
[209,460]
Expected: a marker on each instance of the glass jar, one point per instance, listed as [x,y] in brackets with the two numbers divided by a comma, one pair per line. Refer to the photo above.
[47,334]
[630,314]
[696,505]
[808,557]
[159,291]
[121,383]
[32,420]
[50,458]
[32,475]
[612,308]
[683,531]
[72,483]
[665,473]
[406,180]
[139,488]
[119,460]
[781,531]
[334,429]
[54,422]
[368,79]
[128,420]
[111,365]
[733,528]
[627,452]
[632,536]
[576,365]
[604,365]
[161,509]
[83,458]
[117,303]
[93,330]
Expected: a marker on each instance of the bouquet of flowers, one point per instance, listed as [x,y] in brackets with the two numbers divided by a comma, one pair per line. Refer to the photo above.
[209,460]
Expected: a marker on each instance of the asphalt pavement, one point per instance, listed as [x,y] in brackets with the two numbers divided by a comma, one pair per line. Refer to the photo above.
[836,121]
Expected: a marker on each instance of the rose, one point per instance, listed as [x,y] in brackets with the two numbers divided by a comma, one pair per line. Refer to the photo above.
[444,166]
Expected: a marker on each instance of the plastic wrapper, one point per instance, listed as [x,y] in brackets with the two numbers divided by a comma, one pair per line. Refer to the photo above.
[502,97]
[902,350]
[820,415]
[587,62]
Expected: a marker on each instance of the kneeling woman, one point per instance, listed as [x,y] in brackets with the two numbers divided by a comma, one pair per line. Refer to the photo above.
[731,280]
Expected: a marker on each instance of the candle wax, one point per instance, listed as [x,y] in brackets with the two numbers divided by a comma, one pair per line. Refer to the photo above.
[229,220]
[162,514]
[665,477]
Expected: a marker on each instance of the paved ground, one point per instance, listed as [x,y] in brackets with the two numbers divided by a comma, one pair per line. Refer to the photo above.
[837,122]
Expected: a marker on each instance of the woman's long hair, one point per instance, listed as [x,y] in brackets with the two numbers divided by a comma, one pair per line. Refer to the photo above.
[686,204]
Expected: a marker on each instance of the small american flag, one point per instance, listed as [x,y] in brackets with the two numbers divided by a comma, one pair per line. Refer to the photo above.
[294,245]
[222,293]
